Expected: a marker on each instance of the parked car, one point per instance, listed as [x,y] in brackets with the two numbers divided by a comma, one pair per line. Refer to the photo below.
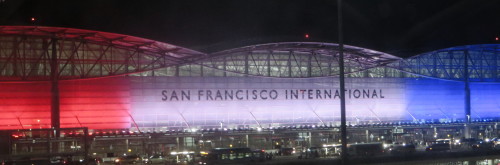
[58,160]
[286,151]
[402,149]
[365,149]
[93,161]
[496,143]
[155,159]
[438,147]
[482,145]
[129,159]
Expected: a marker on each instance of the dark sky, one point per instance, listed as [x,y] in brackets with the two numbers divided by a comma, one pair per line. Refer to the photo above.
[400,27]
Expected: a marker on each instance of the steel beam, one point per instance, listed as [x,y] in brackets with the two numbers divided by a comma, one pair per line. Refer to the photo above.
[54,74]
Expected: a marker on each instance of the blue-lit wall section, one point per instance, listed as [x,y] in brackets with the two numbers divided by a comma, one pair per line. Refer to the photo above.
[485,100]
[433,99]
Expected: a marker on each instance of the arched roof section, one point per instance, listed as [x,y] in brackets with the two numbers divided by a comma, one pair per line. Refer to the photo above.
[482,63]
[32,53]
[295,60]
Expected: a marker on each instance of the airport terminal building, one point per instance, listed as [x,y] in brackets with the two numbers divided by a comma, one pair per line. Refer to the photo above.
[116,83]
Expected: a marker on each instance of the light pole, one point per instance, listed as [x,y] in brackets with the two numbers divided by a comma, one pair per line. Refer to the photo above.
[343,127]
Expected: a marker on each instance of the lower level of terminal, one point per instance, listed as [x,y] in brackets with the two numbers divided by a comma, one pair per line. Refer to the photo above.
[110,144]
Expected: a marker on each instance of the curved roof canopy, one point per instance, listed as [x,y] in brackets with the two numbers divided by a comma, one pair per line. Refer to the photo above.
[482,64]
[295,59]
[30,53]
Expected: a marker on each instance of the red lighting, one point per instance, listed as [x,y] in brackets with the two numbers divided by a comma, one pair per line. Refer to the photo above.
[90,103]
[307,35]
[496,38]
[33,19]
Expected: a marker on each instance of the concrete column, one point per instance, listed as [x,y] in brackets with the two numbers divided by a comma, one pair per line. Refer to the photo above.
[271,140]
[247,141]
[14,149]
[495,129]
[126,144]
[435,132]
[221,143]
[86,143]
[49,143]
[61,147]
[367,132]
[309,139]
[178,144]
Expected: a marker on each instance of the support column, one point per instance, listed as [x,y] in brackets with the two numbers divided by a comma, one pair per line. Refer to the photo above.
[86,143]
[126,145]
[54,76]
[246,64]
[178,144]
[309,139]
[367,132]
[246,139]
[467,106]
[435,133]
[221,140]
[495,129]
[177,71]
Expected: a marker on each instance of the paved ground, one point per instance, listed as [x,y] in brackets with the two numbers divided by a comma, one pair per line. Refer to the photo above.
[419,157]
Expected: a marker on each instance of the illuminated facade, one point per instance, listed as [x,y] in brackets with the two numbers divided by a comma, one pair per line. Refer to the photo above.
[112,81]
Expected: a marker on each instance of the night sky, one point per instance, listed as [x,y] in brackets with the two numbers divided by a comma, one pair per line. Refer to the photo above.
[399,27]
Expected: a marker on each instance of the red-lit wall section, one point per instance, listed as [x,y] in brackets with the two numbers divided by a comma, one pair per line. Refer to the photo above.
[24,105]
[96,104]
